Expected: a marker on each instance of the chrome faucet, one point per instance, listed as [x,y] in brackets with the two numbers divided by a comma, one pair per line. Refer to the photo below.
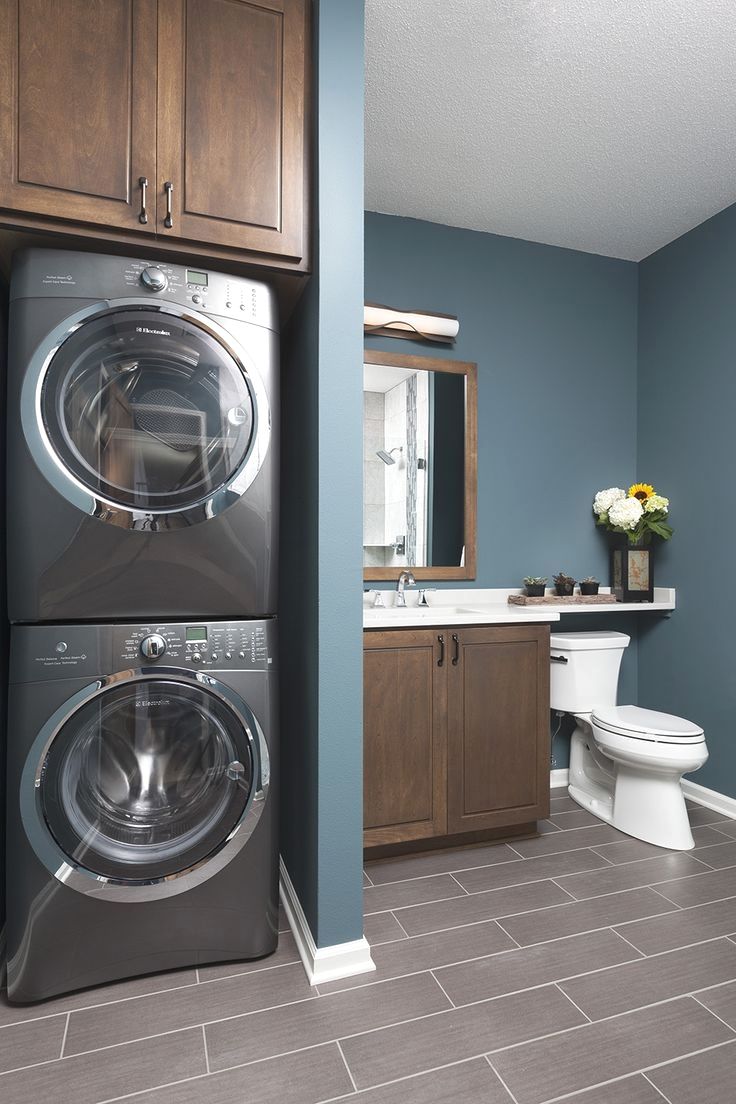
[405,579]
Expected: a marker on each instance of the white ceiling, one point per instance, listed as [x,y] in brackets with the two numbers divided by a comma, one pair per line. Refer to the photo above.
[602,125]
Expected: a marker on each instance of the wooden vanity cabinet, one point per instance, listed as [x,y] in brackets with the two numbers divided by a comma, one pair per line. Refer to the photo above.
[404,741]
[456,731]
[498,727]
[203,100]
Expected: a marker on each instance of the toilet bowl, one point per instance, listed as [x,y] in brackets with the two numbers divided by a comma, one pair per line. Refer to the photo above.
[626,763]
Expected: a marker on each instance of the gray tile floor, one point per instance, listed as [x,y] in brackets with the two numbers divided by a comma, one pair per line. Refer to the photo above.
[581,966]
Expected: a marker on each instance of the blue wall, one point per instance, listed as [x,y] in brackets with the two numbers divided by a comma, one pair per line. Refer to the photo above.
[687,399]
[321,575]
[554,334]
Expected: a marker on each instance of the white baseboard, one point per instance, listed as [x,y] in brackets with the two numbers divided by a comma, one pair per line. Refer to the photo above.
[710,798]
[322,964]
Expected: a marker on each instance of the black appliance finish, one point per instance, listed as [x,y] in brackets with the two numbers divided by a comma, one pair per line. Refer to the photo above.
[142,832]
[142,441]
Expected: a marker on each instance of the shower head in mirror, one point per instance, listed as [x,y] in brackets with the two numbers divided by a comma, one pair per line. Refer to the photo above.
[387,457]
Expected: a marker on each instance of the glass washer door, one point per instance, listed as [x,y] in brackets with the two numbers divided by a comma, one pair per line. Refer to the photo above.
[147,410]
[146,780]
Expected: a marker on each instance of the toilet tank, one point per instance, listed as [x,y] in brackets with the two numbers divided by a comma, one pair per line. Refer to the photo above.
[589,677]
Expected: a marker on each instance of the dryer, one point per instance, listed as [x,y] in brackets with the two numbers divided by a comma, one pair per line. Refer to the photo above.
[141,803]
[142,440]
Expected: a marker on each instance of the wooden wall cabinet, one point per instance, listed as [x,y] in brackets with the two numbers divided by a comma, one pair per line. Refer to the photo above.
[203,100]
[456,731]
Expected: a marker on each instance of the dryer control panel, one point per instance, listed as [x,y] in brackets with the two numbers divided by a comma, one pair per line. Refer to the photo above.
[213,645]
[61,273]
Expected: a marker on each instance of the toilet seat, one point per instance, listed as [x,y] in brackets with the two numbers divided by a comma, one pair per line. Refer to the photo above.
[633,723]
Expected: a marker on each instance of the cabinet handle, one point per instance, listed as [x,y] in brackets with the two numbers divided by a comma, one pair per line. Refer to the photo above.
[169,220]
[143,184]
[456,657]
[441,660]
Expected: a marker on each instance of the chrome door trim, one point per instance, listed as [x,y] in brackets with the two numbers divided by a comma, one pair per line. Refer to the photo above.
[77,877]
[106,509]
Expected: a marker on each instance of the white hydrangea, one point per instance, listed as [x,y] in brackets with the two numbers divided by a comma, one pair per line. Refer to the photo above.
[604,500]
[626,513]
[656,502]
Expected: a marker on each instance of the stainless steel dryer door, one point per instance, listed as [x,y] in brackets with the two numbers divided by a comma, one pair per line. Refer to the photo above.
[152,416]
[147,783]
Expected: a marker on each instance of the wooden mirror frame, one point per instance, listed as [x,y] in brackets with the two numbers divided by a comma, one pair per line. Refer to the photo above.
[470,371]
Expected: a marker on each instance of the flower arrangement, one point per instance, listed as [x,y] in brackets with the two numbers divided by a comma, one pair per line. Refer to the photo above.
[637,513]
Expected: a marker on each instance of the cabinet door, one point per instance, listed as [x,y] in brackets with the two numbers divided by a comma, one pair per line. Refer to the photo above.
[404,736]
[498,734]
[78,109]
[231,123]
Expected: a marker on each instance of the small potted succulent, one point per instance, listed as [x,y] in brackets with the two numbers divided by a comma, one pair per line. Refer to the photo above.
[534,585]
[589,585]
[564,584]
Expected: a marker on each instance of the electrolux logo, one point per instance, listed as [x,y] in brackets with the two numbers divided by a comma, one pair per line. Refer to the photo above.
[158,701]
[148,330]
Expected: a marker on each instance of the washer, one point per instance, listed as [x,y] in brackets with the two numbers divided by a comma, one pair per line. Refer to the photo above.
[142,441]
[141,804]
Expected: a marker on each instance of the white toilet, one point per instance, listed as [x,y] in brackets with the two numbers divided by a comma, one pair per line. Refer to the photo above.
[626,763]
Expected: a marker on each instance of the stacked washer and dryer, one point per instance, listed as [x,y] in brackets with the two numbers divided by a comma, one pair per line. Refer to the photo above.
[142,561]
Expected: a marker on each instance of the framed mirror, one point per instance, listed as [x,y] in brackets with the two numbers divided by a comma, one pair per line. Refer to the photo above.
[420,466]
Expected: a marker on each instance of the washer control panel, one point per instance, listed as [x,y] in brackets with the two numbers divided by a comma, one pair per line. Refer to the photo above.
[210,645]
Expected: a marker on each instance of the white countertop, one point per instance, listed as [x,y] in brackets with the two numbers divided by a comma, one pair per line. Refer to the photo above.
[491,607]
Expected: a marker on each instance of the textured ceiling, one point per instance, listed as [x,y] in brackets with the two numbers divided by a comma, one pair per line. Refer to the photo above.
[602,125]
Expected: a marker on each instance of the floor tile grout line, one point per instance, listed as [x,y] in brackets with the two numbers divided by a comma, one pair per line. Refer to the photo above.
[392,913]
[419,904]
[206,1051]
[370,880]
[347,1067]
[517,946]
[500,1078]
[459,870]
[196,975]
[511,848]
[572,1002]
[540,908]
[656,1088]
[408,1077]
[563,890]
[571,1096]
[152,993]
[705,1006]
[462,887]
[447,995]
[640,953]
[63,1038]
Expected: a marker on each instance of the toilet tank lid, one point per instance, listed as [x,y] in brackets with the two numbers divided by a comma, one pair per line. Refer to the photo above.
[588,641]
[631,718]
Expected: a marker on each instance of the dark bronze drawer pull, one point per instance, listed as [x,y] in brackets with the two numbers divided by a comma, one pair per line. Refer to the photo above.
[441,660]
[143,184]
[456,657]
[558,659]
[169,220]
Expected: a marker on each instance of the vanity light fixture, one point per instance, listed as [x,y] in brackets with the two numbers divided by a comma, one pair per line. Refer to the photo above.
[412,324]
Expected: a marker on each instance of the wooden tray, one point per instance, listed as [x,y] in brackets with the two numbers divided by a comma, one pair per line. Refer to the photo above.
[568,600]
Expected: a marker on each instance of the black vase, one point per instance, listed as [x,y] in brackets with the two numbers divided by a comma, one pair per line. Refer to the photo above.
[589,588]
[632,571]
[564,590]
[535,590]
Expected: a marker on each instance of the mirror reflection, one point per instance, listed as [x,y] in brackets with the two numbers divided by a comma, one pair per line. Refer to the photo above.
[414,467]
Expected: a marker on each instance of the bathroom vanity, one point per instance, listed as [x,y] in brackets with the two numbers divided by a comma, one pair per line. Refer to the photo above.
[456,732]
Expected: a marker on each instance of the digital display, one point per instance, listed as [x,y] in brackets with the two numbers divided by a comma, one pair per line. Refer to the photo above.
[199,278]
[196,634]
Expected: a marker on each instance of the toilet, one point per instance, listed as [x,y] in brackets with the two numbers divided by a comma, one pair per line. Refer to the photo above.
[626,763]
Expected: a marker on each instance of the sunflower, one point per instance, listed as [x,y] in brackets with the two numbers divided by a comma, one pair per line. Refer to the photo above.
[642,491]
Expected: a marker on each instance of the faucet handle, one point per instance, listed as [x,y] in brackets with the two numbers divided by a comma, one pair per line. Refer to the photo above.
[378,602]
[423,595]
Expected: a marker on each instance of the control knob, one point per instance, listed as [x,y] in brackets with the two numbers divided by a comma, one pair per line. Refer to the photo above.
[154,279]
[153,647]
